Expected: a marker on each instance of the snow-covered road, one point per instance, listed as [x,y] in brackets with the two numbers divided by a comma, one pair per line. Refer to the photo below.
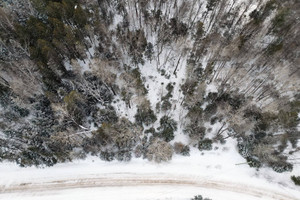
[137,186]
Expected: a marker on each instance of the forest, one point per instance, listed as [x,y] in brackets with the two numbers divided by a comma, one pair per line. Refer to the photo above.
[149,78]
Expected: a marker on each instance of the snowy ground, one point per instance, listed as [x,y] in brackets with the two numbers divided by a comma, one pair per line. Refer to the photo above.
[217,174]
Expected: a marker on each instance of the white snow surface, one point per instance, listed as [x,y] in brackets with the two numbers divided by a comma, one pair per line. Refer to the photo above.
[217,174]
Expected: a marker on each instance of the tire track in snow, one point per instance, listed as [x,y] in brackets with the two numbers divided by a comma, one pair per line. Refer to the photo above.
[134,180]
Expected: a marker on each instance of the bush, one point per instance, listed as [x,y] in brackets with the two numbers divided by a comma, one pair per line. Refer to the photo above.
[159,151]
[138,81]
[145,116]
[234,100]
[199,197]
[36,156]
[210,110]
[195,131]
[114,140]
[253,162]
[274,47]
[22,112]
[256,16]
[260,16]
[205,144]
[139,151]
[211,4]
[182,149]
[107,115]
[279,20]
[123,156]
[245,146]
[296,179]
[107,156]
[166,105]
[288,119]
[150,130]
[281,166]
[195,111]
[188,87]
[212,96]
[149,51]
[167,128]
[170,89]
[178,28]
[213,120]
[260,135]
[5,99]
[199,30]
[75,106]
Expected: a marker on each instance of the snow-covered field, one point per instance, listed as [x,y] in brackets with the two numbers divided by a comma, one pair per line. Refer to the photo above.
[217,174]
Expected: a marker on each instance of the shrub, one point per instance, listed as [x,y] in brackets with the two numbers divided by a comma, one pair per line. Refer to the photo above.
[139,151]
[213,120]
[253,162]
[205,144]
[36,156]
[123,156]
[246,146]
[195,110]
[279,20]
[75,106]
[256,16]
[288,119]
[114,140]
[195,131]
[260,16]
[296,179]
[260,135]
[270,5]
[94,89]
[195,113]
[150,130]
[188,87]
[295,105]
[107,156]
[178,28]
[138,81]
[199,197]
[212,96]
[22,112]
[107,115]
[236,101]
[159,151]
[170,89]
[198,73]
[5,98]
[167,128]
[149,51]
[166,105]
[145,116]
[274,47]
[281,166]
[211,4]
[182,149]
[210,110]
[199,29]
